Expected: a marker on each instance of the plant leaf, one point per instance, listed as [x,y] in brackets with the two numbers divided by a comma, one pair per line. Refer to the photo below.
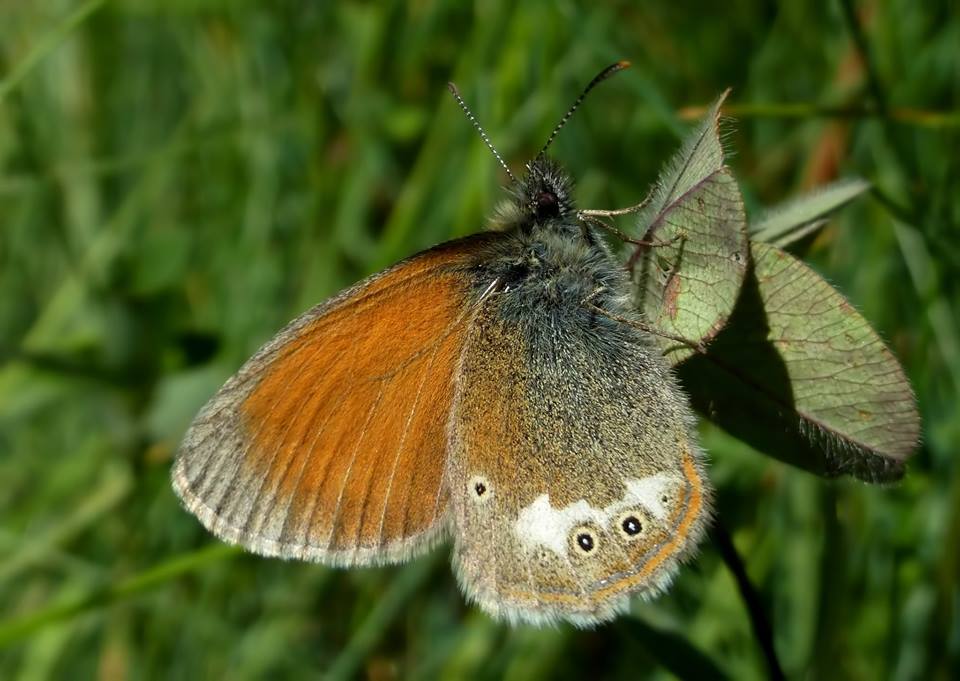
[687,282]
[795,219]
[800,375]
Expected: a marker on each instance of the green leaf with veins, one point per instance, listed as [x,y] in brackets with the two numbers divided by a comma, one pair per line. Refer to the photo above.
[688,277]
[800,375]
[798,218]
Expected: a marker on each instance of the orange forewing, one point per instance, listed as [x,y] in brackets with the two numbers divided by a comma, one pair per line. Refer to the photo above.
[334,435]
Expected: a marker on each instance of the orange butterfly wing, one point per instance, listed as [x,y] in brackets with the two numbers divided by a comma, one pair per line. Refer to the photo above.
[330,443]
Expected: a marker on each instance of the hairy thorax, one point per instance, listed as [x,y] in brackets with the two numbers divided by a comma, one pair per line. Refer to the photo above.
[557,269]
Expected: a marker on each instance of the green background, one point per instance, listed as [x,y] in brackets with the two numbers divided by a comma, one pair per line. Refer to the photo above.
[179,178]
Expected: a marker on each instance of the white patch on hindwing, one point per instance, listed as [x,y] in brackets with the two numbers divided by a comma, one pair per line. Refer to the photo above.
[540,524]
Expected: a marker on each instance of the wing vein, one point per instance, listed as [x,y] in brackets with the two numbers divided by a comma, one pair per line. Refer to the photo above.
[353,459]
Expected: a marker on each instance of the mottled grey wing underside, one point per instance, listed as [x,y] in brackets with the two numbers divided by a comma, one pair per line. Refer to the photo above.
[575,478]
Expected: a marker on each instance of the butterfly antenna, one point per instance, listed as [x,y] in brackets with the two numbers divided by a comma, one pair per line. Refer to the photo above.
[599,78]
[476,124]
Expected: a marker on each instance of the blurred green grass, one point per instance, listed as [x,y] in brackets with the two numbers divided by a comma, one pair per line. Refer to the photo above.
[178,179]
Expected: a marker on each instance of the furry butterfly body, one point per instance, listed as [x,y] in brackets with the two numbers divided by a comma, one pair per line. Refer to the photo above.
[498,390]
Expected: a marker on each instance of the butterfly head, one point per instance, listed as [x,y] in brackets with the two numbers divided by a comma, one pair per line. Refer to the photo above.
[545,192]
[540,199]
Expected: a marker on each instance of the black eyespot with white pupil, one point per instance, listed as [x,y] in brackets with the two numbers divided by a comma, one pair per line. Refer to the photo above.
[585,542]
[631,525]
[480,489]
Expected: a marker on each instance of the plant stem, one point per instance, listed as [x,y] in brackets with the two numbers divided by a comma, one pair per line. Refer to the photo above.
[403,587]
[758,618]
[18,628]
[47,44]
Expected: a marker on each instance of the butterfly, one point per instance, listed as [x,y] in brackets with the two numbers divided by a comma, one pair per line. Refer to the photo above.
[499,390]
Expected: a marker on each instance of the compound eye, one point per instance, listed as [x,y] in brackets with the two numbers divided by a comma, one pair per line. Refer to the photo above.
[547,205]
